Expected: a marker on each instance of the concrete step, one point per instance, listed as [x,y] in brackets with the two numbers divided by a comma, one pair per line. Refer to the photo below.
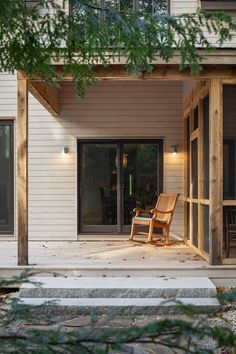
[118,287]
[115,306]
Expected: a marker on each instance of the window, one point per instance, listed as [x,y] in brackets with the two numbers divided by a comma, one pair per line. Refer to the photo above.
[225,5]
[6,178]
[151,6]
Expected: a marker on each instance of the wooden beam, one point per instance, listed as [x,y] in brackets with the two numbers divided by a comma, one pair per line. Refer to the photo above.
[22,172]
[46,95]
[200,176]
[160,72]
[229,202]
[194,135]
[191,117]
[218,56]
[185,181]
[216,172]
[229,81]
[199,91]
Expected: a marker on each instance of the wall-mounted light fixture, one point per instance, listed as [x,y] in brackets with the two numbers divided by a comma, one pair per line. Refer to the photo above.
[173,149]
[65,150]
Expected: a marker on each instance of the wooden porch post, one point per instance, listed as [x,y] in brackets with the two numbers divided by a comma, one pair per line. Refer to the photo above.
[216,172]
[22,171]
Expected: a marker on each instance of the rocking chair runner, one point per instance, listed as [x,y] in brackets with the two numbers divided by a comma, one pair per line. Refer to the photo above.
[161,216]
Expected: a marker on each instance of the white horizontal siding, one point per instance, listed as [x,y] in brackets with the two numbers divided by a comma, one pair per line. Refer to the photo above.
[130,109]
[110,109]
[52,178]
[183,6]
[178,7]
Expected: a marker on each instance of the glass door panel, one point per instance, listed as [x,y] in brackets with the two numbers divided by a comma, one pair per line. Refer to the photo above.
[98,187]
[140,178]
[6,178]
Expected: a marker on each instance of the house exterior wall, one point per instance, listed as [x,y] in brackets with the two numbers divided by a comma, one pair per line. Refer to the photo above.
[111,109]
[183,6]
[178,7]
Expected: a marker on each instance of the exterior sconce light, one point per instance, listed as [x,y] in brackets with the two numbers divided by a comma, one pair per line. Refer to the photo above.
[65,150]
[173,149]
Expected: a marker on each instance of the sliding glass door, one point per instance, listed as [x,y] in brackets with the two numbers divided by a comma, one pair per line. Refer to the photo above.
[141,178]
[114,178]
[6,178]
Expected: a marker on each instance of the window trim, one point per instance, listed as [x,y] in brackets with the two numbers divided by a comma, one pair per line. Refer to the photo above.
[215,5]
[9,229]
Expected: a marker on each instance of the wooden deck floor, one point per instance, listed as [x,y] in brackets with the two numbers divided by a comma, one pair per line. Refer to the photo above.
[99,258]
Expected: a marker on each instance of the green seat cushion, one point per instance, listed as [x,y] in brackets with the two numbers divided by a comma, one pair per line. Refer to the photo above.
[148,217]
[144,217]
[139,218]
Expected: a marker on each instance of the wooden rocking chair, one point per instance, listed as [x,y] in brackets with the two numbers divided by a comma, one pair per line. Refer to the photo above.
[161,216]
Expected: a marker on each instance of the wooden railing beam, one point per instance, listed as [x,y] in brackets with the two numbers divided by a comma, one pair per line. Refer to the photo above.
[46,95]
[216,172]
[22,116]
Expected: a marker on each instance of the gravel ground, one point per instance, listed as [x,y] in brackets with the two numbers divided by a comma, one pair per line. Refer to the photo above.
[226,317]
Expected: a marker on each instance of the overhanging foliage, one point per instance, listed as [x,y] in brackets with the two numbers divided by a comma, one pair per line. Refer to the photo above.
[82,38]
[36,330]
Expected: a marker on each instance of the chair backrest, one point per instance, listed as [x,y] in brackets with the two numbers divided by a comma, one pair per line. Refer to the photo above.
[166,203]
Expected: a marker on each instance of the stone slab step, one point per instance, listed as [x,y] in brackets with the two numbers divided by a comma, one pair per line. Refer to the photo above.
[113,306]
[118,287]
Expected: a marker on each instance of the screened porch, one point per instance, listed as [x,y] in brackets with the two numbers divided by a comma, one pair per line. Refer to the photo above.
[210,156]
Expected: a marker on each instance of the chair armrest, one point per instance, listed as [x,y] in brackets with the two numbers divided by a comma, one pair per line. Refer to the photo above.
[139,210]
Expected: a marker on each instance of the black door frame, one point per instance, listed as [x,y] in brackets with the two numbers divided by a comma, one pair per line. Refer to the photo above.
[119,142]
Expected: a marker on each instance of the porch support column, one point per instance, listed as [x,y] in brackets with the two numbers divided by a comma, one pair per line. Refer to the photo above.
[22,171]
[216,172]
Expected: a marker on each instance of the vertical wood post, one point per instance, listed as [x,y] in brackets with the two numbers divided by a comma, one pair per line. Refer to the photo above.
[191,180]
[216,172]
[200,177]
[22,171]
[185,181]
